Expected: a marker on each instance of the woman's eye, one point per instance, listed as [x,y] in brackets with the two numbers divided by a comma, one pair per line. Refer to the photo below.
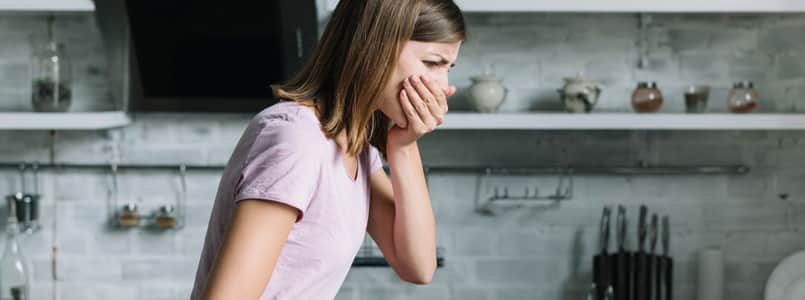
[434,64]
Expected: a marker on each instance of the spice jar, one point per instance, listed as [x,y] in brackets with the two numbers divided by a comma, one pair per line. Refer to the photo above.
[128,216]
[743,97]
[166,217]
[647,97]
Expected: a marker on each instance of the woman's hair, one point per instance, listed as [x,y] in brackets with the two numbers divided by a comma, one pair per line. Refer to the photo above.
[347,72]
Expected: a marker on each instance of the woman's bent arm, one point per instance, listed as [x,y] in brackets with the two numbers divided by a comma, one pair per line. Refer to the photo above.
[401,218]
[250,250]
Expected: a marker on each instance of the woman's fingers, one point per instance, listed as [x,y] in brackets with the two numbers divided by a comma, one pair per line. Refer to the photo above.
[438,105]
[436,92]
[409,110]
[423,87]
[412,88]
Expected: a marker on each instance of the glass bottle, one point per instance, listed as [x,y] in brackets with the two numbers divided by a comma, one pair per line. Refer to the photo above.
[14,269]
[743,97]
[51,89]
[647,97]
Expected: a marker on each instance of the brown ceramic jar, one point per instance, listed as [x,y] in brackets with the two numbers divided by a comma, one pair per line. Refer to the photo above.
[646,98]
[743,97]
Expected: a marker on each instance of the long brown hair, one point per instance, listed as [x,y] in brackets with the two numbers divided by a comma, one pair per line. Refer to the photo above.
[355,57]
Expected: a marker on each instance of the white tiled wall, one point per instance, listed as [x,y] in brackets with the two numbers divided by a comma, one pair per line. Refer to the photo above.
[527,253]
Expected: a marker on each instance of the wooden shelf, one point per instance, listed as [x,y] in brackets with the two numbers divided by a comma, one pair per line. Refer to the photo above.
[621,121]
[63,121]
[627,6]
[47,5]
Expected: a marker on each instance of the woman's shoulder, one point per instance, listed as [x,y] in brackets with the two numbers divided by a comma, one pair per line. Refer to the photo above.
[287,121]
[287,111]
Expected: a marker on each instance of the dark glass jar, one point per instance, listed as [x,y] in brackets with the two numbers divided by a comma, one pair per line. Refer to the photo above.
[52,79]
[647,98]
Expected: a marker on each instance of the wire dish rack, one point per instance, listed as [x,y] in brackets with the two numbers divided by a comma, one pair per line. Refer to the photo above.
[370,256]
[562,192]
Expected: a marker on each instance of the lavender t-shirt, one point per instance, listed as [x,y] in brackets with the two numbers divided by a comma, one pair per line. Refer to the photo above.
[284,156]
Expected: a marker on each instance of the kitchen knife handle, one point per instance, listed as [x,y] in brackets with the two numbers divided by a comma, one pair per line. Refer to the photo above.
[669,278]
[632,277]
[651,269]
[621,276]
[606,275]
[597,276]
[640,276]
[602,274]
[658,278]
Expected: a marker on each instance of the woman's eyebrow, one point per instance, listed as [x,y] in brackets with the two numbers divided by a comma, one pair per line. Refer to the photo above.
[443,60]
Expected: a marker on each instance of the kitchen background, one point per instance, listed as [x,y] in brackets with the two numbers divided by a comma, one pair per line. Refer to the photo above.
[526,253]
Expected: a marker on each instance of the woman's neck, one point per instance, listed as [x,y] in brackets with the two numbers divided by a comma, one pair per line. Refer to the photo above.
[341,141]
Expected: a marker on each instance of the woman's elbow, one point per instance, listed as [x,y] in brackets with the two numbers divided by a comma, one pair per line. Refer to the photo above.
[421,277]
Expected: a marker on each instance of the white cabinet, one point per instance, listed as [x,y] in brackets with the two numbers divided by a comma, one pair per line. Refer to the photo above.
[656,6]
[47,5]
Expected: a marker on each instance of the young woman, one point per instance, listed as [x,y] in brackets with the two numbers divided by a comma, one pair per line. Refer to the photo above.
[305,182]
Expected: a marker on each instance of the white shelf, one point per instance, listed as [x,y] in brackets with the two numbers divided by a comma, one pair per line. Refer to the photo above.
[47,5]
[63,121]
[661,6]
[613,6]
[622,121]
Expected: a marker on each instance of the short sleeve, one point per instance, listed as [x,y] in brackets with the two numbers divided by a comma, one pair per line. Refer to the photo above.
[281,166]
[375,161]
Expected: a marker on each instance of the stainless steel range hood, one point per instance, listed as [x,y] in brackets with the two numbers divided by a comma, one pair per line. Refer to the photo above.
[203,55]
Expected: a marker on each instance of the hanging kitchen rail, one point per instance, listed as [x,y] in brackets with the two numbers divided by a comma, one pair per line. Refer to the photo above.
[562,192]
[488,170]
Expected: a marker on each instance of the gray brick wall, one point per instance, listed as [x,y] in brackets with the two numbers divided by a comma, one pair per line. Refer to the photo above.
[527,253]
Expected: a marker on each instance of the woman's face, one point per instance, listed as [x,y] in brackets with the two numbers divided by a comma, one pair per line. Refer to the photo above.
[418,58]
